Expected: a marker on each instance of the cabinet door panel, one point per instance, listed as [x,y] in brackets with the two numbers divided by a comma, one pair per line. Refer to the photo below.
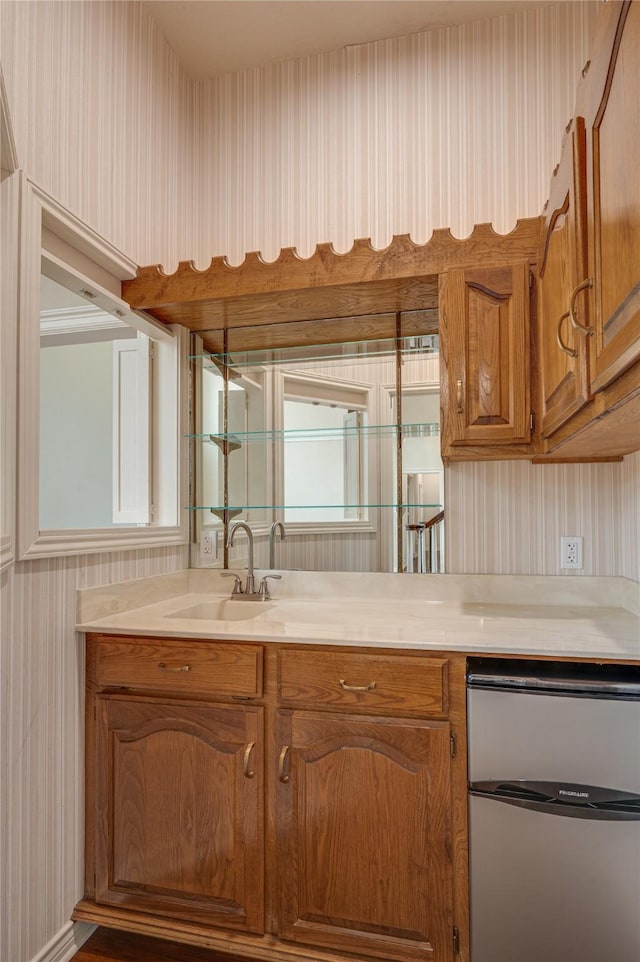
[485,339]
[364,835]
[179,820]
[563,265]
[613,124]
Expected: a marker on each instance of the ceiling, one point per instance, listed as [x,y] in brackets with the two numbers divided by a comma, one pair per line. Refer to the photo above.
[215,37]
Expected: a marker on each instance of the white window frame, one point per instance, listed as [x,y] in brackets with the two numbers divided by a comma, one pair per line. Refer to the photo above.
[78,258]
[132,431]
[9,208]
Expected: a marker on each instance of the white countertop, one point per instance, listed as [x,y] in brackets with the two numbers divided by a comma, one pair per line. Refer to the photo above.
[544,616]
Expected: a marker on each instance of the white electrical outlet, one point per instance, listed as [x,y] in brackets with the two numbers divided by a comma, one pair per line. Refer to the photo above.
[571,552]
[207,544]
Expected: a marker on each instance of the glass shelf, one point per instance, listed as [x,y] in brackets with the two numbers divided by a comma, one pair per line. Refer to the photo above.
[384,349]
[236,509]
[234,440]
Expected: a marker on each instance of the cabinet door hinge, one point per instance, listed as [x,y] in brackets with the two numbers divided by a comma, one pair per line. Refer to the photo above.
[453,746]
[456,941]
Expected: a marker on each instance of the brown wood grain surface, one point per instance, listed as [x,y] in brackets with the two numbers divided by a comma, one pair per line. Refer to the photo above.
[180,821]
[184,845]
[613,208]
[351,876]
[563,265]
[180,666]
[152,289]
[486,391]
[363,683]
[111,945]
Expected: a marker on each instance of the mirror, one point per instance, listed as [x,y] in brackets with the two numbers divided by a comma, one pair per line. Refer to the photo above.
[339,441]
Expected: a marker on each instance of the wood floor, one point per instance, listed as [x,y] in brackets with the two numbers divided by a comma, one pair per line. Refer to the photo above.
[107,945]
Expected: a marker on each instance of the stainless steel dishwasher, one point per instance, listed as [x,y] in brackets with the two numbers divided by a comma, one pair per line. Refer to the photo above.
[554,811]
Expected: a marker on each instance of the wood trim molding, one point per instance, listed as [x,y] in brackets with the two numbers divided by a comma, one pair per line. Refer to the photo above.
[212,295]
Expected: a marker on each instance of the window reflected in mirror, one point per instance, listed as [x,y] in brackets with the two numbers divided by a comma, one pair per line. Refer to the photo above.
[324,450]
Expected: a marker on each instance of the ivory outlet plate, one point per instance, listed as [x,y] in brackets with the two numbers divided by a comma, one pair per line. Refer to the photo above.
[208,544]
[571,552]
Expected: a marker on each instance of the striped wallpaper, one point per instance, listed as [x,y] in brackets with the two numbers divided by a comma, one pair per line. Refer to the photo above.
[443,129]
[41,740]
[449,128]
[103,120]
[509,516]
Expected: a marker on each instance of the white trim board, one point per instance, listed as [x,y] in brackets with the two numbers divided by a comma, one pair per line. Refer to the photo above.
[95,264]
[64,945]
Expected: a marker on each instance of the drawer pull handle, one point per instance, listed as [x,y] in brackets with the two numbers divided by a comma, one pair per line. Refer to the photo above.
[283,768]
[345,687]
[162,666]
[247,771]
[571,351]
[585,286]
[459,397]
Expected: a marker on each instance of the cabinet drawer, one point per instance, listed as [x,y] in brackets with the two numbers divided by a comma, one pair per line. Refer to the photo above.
[180,666]
[387,684]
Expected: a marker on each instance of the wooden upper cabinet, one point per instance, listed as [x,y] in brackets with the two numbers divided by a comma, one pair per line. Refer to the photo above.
[612,117]
[364,835]
[563,349]
[179,823]
[485,362]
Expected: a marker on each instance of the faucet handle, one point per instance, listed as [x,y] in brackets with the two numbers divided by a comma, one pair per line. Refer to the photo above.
[263,590]
[237,586]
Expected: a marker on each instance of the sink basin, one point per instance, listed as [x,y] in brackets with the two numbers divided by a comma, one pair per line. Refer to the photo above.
[223,610]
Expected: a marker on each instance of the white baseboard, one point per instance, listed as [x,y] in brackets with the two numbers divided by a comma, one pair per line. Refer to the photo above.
[66,943]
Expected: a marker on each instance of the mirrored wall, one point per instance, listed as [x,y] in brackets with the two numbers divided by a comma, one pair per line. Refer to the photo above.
[339,442]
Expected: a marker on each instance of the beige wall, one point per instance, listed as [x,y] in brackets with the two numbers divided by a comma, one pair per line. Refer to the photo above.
[103,121]
[442,129]
[329,148]
[509,516]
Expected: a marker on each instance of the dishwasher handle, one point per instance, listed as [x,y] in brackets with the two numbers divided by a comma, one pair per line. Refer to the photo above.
[562,798]
[620,682]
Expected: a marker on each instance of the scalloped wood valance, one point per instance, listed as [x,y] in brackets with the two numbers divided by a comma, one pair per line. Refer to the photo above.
[364,280]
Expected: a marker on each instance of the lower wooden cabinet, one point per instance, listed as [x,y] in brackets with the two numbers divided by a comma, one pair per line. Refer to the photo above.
[179,827]
[285,814]
[364,828]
